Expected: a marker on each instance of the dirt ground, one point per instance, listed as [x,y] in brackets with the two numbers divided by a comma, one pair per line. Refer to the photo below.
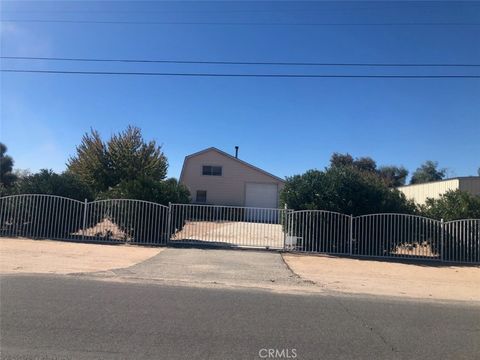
[56,257]
[236,233]
[329,273]
[435,281]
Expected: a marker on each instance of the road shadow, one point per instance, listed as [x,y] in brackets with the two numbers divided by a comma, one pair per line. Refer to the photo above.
[432,263]
[216,245]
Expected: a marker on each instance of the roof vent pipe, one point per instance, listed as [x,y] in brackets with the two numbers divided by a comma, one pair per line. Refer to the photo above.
[236,152]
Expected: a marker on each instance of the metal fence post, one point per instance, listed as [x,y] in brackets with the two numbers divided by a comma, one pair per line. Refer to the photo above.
[169,222]
[285,227]
[351,234]
[84,225]
[442,236]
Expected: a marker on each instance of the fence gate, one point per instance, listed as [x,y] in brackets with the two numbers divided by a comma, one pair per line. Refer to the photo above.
[227,226]
[59,218]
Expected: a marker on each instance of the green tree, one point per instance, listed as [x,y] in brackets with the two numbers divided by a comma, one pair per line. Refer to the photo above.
[346,190]
[133,158]
[91,163]
[362,163]
[453,205]
[339,160]
[7,177]
[126,157]
[393,176]
[427,172]
[365,164]
[50,183]
[145,188]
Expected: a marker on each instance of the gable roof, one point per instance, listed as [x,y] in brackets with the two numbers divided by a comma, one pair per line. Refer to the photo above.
[227,155]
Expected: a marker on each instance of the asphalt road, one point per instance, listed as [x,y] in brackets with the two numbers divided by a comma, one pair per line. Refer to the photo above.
[67,317]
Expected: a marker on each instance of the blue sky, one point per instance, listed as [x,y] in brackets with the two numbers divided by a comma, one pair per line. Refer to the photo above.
[285,126]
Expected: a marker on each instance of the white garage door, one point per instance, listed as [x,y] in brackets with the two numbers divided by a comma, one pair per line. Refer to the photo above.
[261,195]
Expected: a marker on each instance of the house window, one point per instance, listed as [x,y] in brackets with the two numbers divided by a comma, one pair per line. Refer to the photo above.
[212,170]
[201,196]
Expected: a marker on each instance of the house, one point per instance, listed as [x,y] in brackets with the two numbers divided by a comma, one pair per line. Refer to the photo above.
[420,192]
[215,177]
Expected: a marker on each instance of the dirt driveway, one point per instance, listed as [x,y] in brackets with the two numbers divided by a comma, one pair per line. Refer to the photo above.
[353,276]
[235,233]
[57,257]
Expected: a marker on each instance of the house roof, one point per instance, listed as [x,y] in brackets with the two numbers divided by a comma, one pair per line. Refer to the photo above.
[439,181]
[230,157]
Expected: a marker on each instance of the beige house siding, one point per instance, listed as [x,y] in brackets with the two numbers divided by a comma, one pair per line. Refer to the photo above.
[471,185]
[228,189]
[420,192]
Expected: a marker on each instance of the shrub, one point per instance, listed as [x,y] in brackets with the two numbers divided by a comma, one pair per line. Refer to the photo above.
[49,183]
[343,189]
[453,205]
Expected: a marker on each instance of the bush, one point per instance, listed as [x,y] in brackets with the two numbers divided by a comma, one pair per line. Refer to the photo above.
[140,221]
[44,216]
[343,189]
[127,220]
[462,241]
[148,189]
[49,183]
[40,216]
[453,205]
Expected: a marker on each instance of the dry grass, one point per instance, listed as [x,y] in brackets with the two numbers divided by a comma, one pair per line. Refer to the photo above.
[423,250]
[105,229]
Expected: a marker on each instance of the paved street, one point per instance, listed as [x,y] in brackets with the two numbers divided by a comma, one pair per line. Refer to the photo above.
[69,317]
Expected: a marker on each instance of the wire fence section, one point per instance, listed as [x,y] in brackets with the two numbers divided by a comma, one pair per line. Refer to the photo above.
[396,235]
[41,216]
[314,231]
[228,225]
[125,220]
[383,235]
[59,218]
[318,231]
[461,241]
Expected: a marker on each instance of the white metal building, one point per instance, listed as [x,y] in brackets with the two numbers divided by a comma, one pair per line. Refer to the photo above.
[420,192]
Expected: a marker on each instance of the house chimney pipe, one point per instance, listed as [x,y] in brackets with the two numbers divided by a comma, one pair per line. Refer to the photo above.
[236,152]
